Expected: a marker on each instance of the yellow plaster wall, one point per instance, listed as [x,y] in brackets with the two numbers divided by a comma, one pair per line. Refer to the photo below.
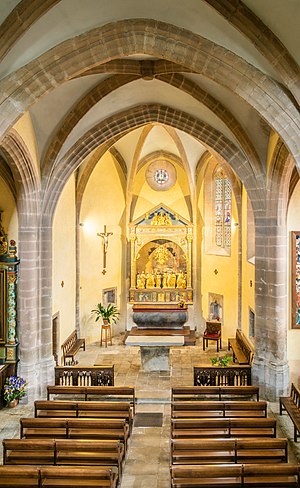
[9,215]
[64,260]
[293,223]
[225,282]
[149,198]
[25,129]
[248,272]
[103,204]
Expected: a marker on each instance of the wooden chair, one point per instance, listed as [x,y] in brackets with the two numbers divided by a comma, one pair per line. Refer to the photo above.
[212,333]
[105,334]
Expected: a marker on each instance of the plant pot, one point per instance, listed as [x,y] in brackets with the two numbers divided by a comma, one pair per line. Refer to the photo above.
[13,403]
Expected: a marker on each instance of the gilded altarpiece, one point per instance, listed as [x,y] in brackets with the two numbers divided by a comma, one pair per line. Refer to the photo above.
[161,258]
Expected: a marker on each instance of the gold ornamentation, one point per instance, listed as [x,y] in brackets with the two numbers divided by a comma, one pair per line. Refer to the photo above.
[161,218]
[161,255]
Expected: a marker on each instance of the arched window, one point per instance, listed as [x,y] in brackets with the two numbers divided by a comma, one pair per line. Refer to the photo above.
[223,209]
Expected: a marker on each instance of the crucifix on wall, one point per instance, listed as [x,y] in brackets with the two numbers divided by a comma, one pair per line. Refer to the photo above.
[104,236]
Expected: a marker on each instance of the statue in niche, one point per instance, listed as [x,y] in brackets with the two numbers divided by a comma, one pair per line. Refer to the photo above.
[171,283]
[141,280]
[149,280]
[181,280]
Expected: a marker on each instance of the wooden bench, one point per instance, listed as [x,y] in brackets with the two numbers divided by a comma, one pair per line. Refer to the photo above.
[195,451]
[71,428]
[62,409]
[187,393]
[291,405]
[64,452]
[56,476]
[236,475]
[202,409]
[241,348]
[217,428]
[107,393]
[71,346]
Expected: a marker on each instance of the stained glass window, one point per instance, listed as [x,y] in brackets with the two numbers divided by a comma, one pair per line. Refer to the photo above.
[223,204]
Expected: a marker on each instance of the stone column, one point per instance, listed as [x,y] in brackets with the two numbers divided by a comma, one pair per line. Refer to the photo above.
[37,362]
[270,368]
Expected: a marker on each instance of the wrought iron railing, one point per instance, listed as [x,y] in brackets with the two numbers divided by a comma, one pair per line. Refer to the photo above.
[84,375]
[222,375]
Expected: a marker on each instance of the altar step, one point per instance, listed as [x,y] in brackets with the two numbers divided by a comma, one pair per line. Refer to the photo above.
[188,334]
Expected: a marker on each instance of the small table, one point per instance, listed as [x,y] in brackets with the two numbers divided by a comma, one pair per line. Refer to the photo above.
[155,351]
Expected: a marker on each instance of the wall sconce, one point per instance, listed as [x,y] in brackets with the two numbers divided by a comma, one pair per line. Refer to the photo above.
[216,271]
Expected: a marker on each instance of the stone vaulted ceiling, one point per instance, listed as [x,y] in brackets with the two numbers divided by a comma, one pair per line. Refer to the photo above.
[223,69]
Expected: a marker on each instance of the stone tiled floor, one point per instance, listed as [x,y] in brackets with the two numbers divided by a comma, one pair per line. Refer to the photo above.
[147,463]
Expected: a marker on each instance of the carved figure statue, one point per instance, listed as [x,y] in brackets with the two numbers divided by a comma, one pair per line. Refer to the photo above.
[165,280]
[171,280]
[150,280]
[158,280]
[181,280]
[141,280]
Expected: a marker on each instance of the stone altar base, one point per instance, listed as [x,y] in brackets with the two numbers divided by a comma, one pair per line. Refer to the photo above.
[155,358]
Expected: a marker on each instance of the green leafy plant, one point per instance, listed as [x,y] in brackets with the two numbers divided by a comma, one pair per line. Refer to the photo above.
[221,361]
[109,313]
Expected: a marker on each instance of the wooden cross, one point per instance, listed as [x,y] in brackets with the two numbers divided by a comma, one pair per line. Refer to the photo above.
[104,236]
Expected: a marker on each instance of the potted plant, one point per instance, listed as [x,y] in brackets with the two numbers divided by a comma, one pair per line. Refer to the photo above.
[109,314]
[14,389]
[221,361]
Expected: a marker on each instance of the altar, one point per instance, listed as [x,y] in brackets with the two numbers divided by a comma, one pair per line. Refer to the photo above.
[159,316]
[155,351]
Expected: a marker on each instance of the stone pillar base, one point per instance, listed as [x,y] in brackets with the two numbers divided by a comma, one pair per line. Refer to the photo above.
[155,358]
[37,376]
[272,378]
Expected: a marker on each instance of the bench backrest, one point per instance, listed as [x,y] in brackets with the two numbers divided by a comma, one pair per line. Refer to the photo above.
[212,427]
[244,345]
[219,409]
[220,392]
[194,451]
[56,408]
[295,395]
[109,393]
[68,343]
[286,475]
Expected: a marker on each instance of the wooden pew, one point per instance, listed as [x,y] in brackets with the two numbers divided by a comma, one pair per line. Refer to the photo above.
[77,477]
[191,393]
[63,409]
[71,428]
[107,393]
[291,405]
[241,348]
[64,452]
[236,475]
[56,477]
[195,451]
[196,409]
[71,346]
[20,476]
[218,428]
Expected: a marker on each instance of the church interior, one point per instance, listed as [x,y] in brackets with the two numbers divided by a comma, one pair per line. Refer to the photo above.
[149,162]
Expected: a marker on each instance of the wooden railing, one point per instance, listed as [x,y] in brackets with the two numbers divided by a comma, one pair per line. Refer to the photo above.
[222,375]
[84,375]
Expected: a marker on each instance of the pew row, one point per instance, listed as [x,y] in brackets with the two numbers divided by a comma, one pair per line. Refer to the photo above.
[51,428]
[218,428]
[56,477]
[64,452]
[63,409]
[238,475]
[196,409]
[191,393]
[107,393]
[217,451]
